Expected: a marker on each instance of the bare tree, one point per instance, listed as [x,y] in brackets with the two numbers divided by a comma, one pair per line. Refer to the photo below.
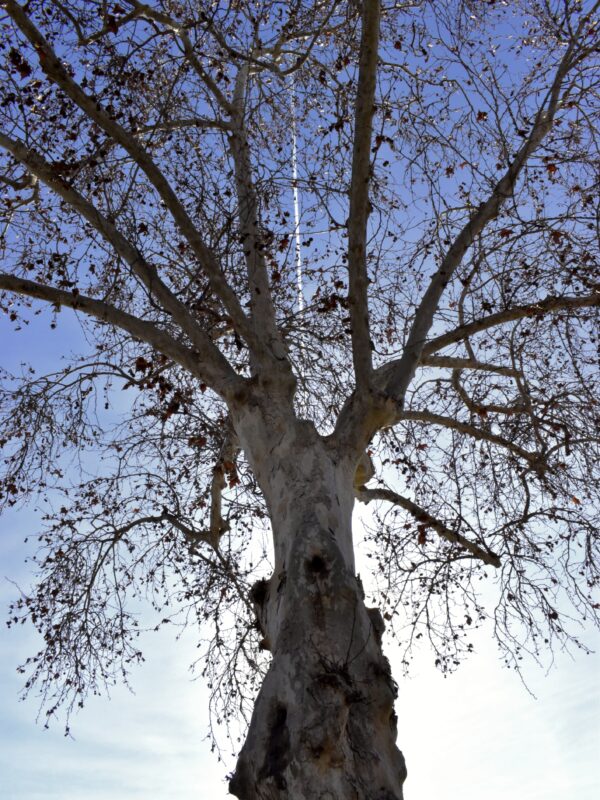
[438,163]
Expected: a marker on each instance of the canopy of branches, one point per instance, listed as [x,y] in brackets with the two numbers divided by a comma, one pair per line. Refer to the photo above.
[219,188]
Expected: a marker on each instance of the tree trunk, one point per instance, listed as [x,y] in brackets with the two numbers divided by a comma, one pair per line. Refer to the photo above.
[323,726]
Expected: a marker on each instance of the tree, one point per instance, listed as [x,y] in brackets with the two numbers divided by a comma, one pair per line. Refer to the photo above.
[322,245]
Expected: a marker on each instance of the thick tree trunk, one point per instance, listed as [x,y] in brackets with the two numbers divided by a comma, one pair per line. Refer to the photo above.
[323,726]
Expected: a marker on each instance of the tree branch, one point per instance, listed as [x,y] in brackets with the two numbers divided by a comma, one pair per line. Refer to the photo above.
[401,376]
[484,408]
[218,526]
[57,73]
[105,312]
[217,370]
[470,430]
[176,28]
[193,537]
[261,301]
[179,124]
[488,557]
[226,462]
[358,302]
[82,39]
[548,305]
[256,58]
[466,363]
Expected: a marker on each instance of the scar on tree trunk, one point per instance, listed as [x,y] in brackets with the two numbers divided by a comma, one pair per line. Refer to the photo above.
[324,724]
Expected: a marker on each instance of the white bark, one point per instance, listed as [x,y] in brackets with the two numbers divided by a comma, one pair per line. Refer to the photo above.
[324,721]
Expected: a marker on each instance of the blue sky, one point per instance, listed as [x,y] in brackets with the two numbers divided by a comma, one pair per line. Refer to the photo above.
[476,734]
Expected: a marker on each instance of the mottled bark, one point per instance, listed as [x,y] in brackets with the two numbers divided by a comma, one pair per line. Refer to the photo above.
[324,721]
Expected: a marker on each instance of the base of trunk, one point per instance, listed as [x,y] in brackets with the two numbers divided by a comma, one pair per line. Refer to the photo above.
[324,726]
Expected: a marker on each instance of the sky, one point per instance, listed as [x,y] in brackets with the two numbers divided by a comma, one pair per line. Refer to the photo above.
[479,733]
[476,734]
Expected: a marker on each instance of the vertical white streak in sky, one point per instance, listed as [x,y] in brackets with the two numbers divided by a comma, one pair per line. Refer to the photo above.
[296,193]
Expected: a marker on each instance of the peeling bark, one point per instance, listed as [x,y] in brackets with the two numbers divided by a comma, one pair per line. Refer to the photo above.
[324,724]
